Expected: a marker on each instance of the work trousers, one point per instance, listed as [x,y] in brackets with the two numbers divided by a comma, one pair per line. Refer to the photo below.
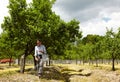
[40,66]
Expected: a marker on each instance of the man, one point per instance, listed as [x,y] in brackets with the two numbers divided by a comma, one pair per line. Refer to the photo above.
[40,50]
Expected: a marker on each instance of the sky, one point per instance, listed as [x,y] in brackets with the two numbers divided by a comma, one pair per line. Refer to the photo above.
[3,11]
[94,15]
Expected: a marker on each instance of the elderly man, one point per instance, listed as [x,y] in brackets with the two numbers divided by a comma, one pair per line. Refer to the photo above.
[40,50]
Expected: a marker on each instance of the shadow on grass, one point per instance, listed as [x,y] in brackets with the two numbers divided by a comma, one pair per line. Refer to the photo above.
[67,76]
[51,73]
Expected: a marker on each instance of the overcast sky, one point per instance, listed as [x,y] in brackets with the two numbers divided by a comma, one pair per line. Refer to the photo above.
[94,15]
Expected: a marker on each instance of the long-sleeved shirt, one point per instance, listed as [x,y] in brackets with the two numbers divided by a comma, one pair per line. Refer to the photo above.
[40,48]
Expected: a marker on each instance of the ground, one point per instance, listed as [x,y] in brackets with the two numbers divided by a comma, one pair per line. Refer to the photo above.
[63,73]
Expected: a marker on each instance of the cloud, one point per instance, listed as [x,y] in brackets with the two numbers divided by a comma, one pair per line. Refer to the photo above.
[94,15]
[106,19]
[3,11]
[98,25]
[83,9]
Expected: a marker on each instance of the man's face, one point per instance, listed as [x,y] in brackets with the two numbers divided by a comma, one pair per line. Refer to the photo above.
[38,43]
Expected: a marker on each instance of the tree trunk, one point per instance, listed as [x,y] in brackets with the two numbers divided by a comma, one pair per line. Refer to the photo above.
[49,60]
[113,64]
[35,63]
[83,61]
[96,62]
[22,67]
[23,57]
[102,61]
[18,61]
[76,61]
[10,61]
[90,61]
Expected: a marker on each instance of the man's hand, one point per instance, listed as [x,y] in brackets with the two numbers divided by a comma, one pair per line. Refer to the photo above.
[41,52]
[36,59]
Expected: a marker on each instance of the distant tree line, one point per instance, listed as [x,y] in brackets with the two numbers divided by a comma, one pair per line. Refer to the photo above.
[95,47]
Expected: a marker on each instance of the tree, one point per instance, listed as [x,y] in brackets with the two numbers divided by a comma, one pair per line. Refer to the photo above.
[91,39]
[96,51]
[7,51]
[112,45]
[27,23]
[20,26]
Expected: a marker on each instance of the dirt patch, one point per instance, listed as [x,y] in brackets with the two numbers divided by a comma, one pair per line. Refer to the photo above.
[63,74]
[89,75]
[105,76]
[97,76]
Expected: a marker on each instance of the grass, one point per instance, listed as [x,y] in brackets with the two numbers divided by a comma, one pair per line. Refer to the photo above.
[64,73]
[50,75]
[5,69]
[107,67]
[90,73]
[78,69]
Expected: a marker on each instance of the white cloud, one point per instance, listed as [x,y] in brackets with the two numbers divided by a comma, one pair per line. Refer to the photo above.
[3,11]
[94,15]
[59,11]
[98,25]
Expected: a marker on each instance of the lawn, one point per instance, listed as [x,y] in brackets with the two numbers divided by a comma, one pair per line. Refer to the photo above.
[62,73]
[4,68]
